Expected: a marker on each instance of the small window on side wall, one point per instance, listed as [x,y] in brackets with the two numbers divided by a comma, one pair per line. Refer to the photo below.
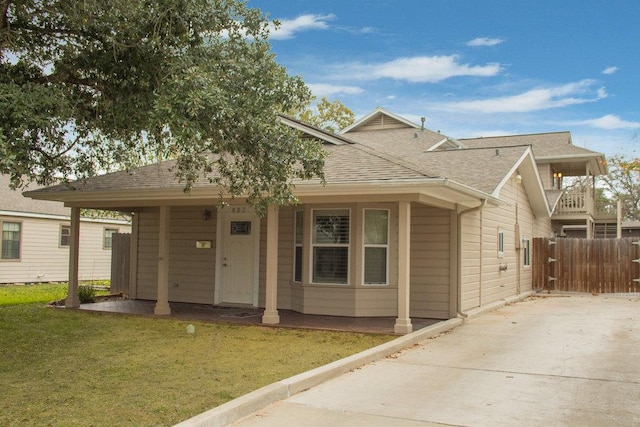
[297,254]
[500,243]
[65,235]
[526,252]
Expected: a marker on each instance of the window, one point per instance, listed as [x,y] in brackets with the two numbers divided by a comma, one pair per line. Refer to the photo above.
[65,235]
[11,235]
[107,241]
[500,243]
[297,253]
[330,246]
[526,252]
[376,246]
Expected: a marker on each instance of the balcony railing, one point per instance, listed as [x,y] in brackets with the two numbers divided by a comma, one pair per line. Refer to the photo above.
[581,202]
[575,202]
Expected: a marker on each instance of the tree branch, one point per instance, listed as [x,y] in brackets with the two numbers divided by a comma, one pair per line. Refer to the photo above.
[4,7]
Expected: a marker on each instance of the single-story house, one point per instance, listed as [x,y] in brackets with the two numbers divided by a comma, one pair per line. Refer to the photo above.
[36,240]
[409,224]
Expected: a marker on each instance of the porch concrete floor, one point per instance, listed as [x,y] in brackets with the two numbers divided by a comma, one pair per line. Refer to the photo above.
[253,316]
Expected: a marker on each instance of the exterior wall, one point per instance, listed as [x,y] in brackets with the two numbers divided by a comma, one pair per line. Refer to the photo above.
[546,175]
[191,269]
[42,259]
[430,262]
[486,276]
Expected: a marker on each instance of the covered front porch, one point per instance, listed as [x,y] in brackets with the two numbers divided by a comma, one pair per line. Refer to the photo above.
[253,316]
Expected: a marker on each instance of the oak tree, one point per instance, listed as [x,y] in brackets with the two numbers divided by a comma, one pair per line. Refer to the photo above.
[90,86]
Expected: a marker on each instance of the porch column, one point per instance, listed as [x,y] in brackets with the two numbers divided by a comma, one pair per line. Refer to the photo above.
[72,300]
[403,322]
[162,302]
[270,315]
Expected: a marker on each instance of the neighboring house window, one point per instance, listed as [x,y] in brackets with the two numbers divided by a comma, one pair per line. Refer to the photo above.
[297,254]
[11,236]
[65,235]
[526,252]
[376,246]
[330,246]
[500,243]
[107,241]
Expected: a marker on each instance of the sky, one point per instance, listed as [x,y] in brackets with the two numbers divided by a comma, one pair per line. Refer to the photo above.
[474,67]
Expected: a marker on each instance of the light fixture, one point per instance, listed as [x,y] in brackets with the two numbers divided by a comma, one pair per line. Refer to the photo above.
[518,179]
[206,214]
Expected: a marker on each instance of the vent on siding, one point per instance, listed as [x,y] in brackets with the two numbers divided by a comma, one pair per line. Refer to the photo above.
[382,121]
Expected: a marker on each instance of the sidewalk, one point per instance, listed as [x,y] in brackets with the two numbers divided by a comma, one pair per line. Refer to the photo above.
[554,360]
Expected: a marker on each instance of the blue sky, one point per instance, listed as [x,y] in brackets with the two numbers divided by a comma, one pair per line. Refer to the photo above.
[474,67]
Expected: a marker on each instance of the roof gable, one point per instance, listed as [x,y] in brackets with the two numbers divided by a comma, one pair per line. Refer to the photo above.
[379,119]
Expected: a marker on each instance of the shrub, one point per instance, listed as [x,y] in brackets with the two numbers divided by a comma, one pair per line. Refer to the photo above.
[86,294]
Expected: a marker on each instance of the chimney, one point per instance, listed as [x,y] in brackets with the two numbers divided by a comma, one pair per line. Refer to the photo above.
[422,119]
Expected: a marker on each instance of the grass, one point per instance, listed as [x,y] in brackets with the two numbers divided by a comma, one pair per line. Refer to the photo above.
[70,368]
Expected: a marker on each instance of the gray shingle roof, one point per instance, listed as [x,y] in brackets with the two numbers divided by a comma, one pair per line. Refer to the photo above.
[14,201]
[553,144]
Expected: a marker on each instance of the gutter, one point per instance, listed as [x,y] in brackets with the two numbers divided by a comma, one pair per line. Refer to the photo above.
[480,207]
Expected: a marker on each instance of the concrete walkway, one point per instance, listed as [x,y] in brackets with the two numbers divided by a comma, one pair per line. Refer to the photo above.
[559,360]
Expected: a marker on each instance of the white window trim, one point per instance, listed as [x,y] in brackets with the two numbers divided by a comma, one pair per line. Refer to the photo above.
[313,245]
[526,252]
[500,243]
[365,246]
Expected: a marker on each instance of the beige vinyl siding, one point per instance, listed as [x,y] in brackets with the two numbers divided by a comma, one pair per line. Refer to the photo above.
[191,270]
[42,259]
[546,175]
[483,282]
[430,262]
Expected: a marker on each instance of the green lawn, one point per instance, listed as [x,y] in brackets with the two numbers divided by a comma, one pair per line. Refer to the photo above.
[68,368]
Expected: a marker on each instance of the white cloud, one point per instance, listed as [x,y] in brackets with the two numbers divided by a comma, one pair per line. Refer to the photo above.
[610,122]
[484,41]
[610,70]
[290,27]
[534,100]
[419,69]
[324,89]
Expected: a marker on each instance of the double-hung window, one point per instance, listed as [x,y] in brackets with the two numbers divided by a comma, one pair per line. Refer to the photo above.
[11,237]
[65,235]
[376,246]
[330,246]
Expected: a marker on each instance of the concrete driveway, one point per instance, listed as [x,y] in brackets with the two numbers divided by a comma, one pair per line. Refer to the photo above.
[559,360]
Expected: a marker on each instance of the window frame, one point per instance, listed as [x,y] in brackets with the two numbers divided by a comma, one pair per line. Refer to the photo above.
[366,245]
[298,258]
[500,243]
[526,252]
[114,230]
[61,235]
[313,245]
[2,240]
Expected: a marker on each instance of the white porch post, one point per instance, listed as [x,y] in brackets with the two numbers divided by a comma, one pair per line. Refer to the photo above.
[72,300]
[403,322]
[270,315]
[162,302]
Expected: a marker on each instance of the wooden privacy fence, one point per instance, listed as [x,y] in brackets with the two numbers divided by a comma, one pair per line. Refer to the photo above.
[120,260]
[596,266]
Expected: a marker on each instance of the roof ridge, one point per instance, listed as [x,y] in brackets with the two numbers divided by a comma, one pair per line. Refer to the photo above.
[395,160]
[515,134]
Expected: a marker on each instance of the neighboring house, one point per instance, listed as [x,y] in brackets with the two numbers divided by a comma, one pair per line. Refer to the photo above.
[35,240]
[410,223]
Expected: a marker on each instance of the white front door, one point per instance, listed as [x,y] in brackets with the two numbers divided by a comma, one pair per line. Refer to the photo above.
[238,256]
